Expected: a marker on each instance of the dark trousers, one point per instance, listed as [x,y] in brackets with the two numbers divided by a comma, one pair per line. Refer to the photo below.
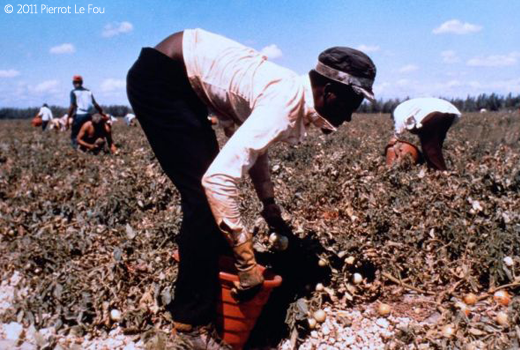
[77,123]
[176,125]
[44,125]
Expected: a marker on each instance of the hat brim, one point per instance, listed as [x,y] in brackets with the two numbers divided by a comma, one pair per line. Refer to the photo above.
[368,94]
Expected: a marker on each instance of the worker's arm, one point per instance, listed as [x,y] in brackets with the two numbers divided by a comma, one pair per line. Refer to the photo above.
[73,105]
[432,151]
[432,135]
[264,126]
[110,142]
[96,106]
[261,178]
[271,212]
[81,136]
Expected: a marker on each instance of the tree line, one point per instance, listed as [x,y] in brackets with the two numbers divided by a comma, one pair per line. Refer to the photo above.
[57,111]
[492,102]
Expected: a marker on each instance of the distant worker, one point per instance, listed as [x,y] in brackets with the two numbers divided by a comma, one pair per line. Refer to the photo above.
[430,119]
[130,119]
[65,122]
[59,124]
[82,105]
[95,135]
[46,115]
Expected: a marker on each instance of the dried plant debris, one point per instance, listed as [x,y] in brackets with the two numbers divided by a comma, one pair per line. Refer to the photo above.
[89,239]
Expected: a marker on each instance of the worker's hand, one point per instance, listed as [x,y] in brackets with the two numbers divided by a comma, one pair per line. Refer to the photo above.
[273,216]
[250,283]
[113,149]
[250,277]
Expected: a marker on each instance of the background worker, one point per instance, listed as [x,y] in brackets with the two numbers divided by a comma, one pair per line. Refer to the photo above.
[82,105]
[430,119]
[129,119]
[46,115]
[95,134]
[170,88]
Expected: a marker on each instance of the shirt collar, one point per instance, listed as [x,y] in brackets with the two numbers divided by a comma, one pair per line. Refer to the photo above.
[311,116]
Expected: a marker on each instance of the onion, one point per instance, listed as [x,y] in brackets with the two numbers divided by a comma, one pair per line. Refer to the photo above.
[508,261]
[283,243]
[350,260]
[384,309]
[470,299]
[448,331]
[279,242]
[312,323]
[323,262]
[319,287]
[463,307]
[502,319]
[357,279]
[115,315]
[502,297]
[319,316]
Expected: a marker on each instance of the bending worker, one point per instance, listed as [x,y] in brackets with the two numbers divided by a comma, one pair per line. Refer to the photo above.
[258,103]
[82,104]
[95,134]
[430,119]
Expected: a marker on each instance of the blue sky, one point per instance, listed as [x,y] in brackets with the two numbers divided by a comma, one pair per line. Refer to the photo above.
[448,48]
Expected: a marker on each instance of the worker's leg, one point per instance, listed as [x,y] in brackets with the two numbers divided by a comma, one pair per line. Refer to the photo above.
[432,135]
[175,123]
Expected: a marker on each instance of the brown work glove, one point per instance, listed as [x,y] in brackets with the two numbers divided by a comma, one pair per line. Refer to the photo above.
[249,275]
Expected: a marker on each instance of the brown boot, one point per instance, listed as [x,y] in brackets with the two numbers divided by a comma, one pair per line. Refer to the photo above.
[187,337]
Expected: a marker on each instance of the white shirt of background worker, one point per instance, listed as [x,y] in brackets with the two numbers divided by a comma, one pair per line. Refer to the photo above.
[45,113]
[430,119]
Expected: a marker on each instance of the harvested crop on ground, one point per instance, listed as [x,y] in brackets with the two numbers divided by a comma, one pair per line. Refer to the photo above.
[89,240]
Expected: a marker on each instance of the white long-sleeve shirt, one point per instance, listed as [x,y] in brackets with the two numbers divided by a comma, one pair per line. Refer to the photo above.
[410,114]
[45,113]
[266,102]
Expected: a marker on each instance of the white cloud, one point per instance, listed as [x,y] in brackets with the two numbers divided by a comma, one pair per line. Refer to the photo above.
[63,49]
[495,60]
[272,51]
[408,68]
[455,26]
[450,56]
[10,73]
[368,48]
[48,86]
[110,85]
[116,28]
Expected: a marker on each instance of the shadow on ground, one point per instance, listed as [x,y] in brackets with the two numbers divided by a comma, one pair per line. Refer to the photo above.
[298,266]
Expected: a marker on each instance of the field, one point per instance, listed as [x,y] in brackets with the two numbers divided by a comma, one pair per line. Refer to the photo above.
[84,235]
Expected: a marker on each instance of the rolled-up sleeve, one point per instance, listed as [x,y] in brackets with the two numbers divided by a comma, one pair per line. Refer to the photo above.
[265,125]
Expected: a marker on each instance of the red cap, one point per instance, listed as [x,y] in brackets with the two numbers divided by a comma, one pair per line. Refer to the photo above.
[77,78]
